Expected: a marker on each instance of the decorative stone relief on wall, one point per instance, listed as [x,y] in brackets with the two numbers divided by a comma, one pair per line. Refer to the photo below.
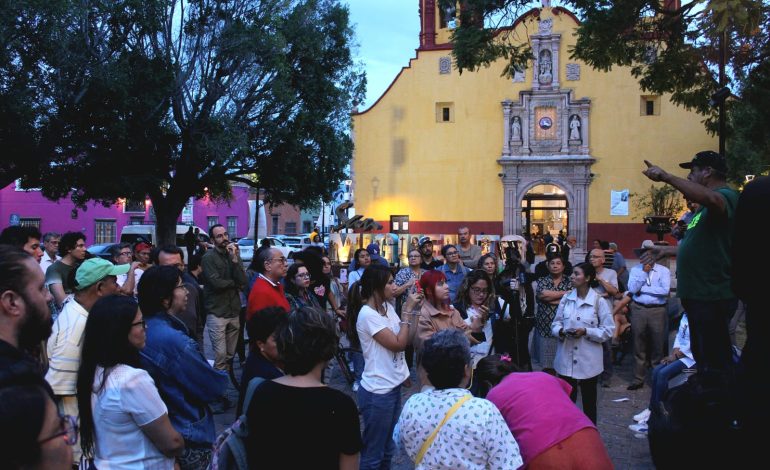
[546,26]
[444,65]
[573,72]
[516,129]
[545,66]
[574,128]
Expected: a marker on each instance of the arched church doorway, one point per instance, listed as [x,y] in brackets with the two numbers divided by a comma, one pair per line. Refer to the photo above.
[544,210]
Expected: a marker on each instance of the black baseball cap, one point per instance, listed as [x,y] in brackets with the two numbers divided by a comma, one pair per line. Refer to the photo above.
[707,158]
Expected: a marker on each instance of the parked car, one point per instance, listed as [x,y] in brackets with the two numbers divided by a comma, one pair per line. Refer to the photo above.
[102,250]
[290,240]
[247,247]
[133,233]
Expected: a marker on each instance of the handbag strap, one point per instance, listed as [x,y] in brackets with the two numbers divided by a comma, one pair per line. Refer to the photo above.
[429,441]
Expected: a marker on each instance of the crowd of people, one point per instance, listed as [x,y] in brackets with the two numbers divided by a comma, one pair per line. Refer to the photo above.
[101,362]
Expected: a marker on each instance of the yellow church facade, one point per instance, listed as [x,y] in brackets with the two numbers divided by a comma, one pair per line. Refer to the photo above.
[559,147]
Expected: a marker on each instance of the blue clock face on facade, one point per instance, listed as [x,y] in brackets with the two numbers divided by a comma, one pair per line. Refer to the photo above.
[545,123]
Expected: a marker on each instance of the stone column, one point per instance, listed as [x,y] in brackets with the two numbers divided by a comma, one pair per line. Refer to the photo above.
[507,127]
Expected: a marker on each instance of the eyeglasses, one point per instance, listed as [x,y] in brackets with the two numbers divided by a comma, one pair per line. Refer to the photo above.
[451,253]
[303,276]
[282,259]
[124,253]
[69,428]
[140,322]
[477,291]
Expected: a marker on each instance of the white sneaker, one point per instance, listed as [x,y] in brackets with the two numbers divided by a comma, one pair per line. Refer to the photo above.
[355,386]
[642,417]
[640,428]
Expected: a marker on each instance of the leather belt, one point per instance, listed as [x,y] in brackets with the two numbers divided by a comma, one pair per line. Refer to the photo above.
[649,305]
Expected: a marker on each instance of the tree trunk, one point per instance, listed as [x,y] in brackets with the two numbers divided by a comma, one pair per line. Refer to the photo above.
[256,221]
[167,211]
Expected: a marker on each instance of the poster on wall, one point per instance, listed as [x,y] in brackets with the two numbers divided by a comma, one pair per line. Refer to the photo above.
[187,212]
[619,202]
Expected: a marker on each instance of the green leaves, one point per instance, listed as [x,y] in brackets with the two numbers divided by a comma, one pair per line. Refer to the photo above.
[166,97]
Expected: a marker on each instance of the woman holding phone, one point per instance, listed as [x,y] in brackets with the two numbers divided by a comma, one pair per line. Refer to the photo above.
[582,323]
[479,308]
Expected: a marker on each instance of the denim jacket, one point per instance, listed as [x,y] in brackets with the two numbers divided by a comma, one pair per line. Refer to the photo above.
[185,380]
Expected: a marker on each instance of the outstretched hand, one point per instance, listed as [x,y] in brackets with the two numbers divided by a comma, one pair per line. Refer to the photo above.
[654,172]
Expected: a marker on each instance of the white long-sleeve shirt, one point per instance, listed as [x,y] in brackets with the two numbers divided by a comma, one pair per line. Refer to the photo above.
[650,288]
[581,358]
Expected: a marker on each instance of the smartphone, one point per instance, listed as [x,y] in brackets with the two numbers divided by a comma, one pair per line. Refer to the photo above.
[418,287]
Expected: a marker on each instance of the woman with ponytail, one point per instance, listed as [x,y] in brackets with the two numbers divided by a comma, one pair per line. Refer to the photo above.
[383,337]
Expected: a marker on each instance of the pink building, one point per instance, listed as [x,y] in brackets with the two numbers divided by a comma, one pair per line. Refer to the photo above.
[103,224]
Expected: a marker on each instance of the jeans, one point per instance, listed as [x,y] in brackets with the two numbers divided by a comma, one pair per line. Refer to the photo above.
[709,332]
[587,394]
[223,333]
[357,358]
[380,413]
[660,377]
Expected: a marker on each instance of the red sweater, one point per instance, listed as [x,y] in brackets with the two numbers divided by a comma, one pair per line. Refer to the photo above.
[265,294]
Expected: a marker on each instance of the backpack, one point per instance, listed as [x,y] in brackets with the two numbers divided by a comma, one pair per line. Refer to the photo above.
[229,449]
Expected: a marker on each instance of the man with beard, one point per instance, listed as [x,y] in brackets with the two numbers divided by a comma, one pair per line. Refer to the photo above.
[95,278]
[24,316]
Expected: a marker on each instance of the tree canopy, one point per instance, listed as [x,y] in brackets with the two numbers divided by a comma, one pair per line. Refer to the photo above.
[670,48]
[178,98]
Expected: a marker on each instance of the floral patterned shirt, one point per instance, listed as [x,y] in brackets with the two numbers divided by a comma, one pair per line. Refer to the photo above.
[475,436]
[546,312]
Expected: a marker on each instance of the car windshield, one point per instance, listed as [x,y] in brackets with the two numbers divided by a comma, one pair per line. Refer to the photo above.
[246,242]
[277,242]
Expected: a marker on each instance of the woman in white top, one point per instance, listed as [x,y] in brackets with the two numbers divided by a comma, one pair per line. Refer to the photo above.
[474,435]
[123,421]
[383,336]
[582,323]
[363,259]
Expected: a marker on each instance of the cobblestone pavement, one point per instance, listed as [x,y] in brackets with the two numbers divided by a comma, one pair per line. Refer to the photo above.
[626,450]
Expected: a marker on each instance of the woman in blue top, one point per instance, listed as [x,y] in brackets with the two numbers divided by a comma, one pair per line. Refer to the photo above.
[186,381]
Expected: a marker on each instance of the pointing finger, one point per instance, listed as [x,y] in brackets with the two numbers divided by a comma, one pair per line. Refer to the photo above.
[649,165]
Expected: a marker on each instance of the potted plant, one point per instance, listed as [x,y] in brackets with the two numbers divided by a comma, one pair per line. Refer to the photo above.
[661,205]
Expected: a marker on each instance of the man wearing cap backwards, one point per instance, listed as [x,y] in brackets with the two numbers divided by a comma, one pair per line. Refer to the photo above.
[703,256]
[649,284]
[426,250]
[95,278]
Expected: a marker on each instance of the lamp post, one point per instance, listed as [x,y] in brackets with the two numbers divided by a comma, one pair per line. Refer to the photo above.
[348,185]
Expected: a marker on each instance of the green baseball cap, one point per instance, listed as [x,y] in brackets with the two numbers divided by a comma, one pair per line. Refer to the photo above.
[94,270]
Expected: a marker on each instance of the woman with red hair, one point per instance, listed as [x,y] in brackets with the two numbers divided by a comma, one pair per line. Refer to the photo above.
[437,312]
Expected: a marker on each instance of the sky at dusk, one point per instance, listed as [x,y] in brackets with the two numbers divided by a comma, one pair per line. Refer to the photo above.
[388,34]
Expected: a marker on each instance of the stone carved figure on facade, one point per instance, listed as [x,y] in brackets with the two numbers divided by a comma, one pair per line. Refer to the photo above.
[574,127]
[545,67]
[516,129]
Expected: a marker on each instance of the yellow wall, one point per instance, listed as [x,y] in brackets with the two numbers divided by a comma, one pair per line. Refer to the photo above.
[449,171]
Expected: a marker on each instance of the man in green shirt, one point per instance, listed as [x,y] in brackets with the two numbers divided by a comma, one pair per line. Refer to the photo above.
[703,256]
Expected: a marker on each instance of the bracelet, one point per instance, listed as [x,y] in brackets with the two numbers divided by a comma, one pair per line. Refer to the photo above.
[405,323]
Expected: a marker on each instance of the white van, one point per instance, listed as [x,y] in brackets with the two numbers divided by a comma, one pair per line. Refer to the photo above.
[133,233]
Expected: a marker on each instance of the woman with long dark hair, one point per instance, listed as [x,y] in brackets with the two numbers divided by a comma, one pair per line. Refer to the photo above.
[363,260]
[186,381]
[297,287]
[383,337]
[582,323]
[124,423]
